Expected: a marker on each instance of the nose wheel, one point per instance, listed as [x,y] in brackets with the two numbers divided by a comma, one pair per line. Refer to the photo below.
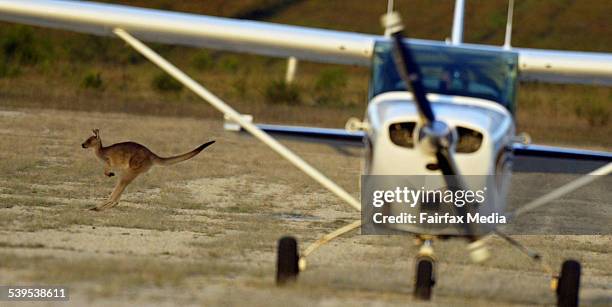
[424,272]
[425,279]
[568,284]
[287,268]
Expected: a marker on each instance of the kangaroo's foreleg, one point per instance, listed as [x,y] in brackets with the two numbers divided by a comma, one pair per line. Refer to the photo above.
[107,170]
[123,182]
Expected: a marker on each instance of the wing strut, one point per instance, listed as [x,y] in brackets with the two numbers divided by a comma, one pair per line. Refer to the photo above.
[565,189]
[457,32]
[236,117]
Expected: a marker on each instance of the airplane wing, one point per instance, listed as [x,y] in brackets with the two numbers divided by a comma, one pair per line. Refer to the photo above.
[193,30]
[271,39]
[549,159]
[330,134]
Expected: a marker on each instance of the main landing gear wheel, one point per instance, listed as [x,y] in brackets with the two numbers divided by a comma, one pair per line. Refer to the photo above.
[425,279]
[568,285]
[287,268]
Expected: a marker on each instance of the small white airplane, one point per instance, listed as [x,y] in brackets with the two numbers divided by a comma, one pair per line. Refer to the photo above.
[443,109]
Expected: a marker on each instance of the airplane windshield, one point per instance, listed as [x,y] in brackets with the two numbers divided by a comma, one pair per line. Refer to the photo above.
[449,70]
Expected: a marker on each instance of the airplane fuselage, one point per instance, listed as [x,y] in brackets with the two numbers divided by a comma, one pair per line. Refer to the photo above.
[484,131]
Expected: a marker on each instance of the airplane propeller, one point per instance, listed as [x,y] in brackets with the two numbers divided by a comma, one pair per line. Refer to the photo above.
[435,136]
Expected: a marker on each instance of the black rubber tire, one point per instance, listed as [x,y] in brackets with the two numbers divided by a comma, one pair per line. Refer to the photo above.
[424,280]
[568,286]
[287,268]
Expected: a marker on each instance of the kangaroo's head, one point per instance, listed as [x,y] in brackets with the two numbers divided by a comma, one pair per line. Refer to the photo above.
[93,141]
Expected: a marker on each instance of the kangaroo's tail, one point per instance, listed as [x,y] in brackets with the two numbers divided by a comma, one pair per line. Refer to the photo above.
[181,158]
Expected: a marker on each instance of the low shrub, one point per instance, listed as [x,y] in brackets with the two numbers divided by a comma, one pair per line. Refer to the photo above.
[202,60]
[280,92]
[329,86]
[93,80]
[162,82]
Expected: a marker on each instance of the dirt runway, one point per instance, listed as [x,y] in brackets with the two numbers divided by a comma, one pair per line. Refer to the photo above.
[204,232]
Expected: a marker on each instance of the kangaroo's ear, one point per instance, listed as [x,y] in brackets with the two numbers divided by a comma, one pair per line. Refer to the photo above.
[96,132]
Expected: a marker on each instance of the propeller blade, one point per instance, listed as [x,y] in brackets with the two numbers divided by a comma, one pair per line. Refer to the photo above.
[406,66]
[446,163]
[436,133]
[454,183]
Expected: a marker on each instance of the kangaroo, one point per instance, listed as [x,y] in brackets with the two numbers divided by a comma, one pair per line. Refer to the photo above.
[131,159]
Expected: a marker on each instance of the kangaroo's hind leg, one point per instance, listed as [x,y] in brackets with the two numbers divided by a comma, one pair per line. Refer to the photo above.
[123,182]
